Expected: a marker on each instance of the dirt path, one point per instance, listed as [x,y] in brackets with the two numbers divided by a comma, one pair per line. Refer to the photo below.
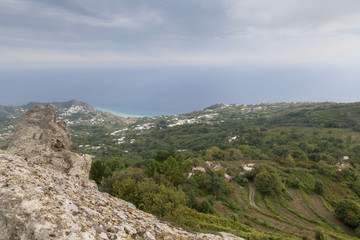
[318,205]
[252,191]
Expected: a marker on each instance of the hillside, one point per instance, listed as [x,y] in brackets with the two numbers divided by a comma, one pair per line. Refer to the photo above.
[283,169]
[267,128]
[46,192]
[79,116]
[264,171]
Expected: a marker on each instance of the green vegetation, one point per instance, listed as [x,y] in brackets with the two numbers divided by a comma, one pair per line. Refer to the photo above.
[99,171]
[151,197]
[266,171]
[319,187]
[348,211]
[267,181]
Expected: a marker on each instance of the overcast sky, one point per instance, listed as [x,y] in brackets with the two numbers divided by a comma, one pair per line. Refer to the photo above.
[113,32]
[88,34]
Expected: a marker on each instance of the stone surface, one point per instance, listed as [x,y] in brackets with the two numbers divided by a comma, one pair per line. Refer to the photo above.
[43,141]
[45,192]
[42,204]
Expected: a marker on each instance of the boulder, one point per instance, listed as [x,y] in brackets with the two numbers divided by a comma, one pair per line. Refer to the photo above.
[43,141]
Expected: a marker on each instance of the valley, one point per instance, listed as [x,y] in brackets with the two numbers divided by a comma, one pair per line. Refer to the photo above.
[264,171]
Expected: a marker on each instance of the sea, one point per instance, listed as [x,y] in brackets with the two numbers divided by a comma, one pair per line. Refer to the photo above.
[168,90]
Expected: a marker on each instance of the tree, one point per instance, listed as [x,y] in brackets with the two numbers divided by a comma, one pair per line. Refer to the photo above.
[99,171]
[127,190]
[213,184]
[171,168]
[348,212]
[153,167]
[234,155]
[161,156]
[214,154]
[115,163]
[267,183]
[281,151]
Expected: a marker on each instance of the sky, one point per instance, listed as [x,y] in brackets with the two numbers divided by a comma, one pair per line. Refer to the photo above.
[155,57]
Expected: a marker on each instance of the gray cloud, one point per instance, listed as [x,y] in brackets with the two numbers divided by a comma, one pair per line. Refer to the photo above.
[186,31]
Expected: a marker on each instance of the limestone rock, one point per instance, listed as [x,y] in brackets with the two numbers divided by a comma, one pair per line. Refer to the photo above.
[42,204]
[43,141]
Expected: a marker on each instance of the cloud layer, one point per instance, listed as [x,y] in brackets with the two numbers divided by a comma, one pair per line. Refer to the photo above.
[38,33]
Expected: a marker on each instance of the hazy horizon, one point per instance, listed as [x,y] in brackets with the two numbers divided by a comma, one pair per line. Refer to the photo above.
[174,90]
[169,57]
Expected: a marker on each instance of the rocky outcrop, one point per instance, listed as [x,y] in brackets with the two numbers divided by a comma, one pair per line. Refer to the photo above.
[42,204]
[42,198]
[43,141]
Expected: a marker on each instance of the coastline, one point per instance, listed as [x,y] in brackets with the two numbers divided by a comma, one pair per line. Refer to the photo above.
[120,114]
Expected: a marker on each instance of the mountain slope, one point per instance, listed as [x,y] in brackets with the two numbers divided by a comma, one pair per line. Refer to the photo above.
[46,193]
[264,171]
[76,114]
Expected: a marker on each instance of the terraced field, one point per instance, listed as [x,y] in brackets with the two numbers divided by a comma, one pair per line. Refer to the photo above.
[299,217]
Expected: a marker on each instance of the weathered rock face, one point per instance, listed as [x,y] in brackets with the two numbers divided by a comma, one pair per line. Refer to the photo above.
[42,204]
[43,141]
[42,198]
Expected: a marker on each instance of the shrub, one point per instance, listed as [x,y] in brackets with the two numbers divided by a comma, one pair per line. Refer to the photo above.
[349,174]
[151,197]
[319,187]
[320,235]
[240,179]
[251,174]
[206,207]
[356,188]
[288,161]
[326,169]
[293,182]
[160,200]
